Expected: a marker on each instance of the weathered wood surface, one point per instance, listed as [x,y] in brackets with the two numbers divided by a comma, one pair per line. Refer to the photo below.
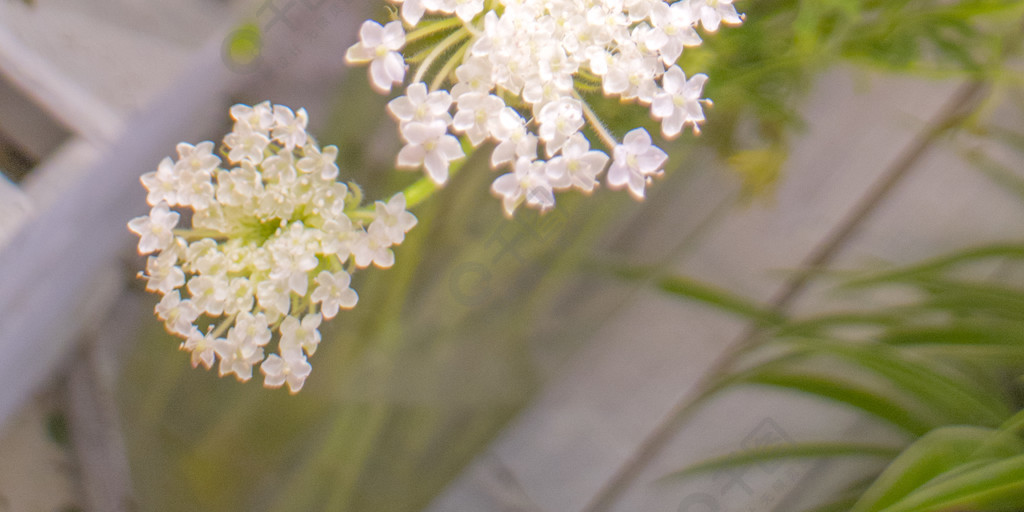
[52,279]
[600,434]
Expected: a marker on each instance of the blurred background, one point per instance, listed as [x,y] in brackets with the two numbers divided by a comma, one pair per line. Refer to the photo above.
[558,362]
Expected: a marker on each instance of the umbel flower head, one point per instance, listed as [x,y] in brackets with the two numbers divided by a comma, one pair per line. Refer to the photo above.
[273,243]
[516,73]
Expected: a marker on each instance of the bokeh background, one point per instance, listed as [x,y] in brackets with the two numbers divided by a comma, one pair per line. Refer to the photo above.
[541,363]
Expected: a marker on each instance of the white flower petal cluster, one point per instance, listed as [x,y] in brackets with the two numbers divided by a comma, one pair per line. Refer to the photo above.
[379,44]
[272,246]
[522,69]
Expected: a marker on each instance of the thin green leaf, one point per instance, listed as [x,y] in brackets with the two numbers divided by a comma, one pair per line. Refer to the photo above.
[974,298]
[823,323]
[954,400]
[994,486]
[720,299]
[935,453]
[1014,425]
[991,355]
[787,451]
[997,172]
[965,332]
[834,389]
[941,264]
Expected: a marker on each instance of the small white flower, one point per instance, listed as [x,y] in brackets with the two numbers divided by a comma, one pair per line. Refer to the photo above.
[677,23]
[467,9]
[474,75]
[577,165]
[558,120]
[412,10]
[679,101]
[177,314]
[163,273]
[237,356]
[239,185]
[301,335]
[294,254]
[289,127]
[156,230]
[240,296]
[162,183]
[257,118]
[631,75]
[333,292]
[392,215]
[529,181]
[634,161]
[429,145]
[514,141]
[319,162]
[196,159]
[202,348]
[292,368]
[273,296]
[373,246]
[475,112]
[209,293]
[280,168]
[714,12]
[250,332]
[246,144]
[379,46]
[195,189]
[418,106]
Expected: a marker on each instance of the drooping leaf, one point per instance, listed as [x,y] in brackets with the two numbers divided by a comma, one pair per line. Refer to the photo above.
[787,451]
[854,394]
[723,300]
[949,398]
[934,454]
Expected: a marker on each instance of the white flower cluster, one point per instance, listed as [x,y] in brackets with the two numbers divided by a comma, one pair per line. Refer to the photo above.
[273,241]
[516,69]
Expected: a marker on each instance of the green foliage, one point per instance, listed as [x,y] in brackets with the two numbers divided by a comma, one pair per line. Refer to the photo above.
[938,368]
[759,72]
[413,382]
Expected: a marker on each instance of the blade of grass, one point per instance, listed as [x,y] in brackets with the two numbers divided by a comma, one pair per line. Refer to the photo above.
[789,451]
[993,486]
[935,453]
[940,264]
[955,400]
[716,297]
[834,389]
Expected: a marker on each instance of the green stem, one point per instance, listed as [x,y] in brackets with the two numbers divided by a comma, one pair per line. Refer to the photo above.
[448,66]
[606,137]
[223,326]
[441,47]
[431,29]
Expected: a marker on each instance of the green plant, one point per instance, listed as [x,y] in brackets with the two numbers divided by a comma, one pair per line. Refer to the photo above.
[941,369]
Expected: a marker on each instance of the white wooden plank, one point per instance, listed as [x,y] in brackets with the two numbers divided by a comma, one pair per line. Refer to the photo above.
[68,102]
[586,425]
[48,270]
[120,53]
[15,207]
[61,169]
